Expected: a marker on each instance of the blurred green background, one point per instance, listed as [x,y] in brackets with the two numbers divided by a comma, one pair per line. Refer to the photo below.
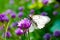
[37,34]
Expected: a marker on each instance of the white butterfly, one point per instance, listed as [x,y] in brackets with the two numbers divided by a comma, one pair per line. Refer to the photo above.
[40,20]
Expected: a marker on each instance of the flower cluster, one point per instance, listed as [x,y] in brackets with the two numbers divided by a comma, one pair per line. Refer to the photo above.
[8,16]
[3,18]
[7,34]
[48,36]
[23,25]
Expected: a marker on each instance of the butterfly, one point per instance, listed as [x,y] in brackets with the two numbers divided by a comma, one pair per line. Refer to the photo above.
[38,22]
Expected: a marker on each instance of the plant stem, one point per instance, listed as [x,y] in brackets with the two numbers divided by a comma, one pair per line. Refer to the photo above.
[28,35]
[6,28]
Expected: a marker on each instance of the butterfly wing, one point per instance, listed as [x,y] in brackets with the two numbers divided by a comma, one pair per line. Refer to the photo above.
[32,27]
[40,20]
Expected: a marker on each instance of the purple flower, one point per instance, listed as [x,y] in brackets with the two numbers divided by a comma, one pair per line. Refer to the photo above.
[24,24]
[55,13]
[6,19]
[13,15]
[45,1]
[3,18]
[21,8]
[2,15]
[19,31]
[9,28]
[56,33]
[14,24]
[56,6]
[32,11]
[7,34]
[44,13]
[20,14]
[9,11]
[47,36]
